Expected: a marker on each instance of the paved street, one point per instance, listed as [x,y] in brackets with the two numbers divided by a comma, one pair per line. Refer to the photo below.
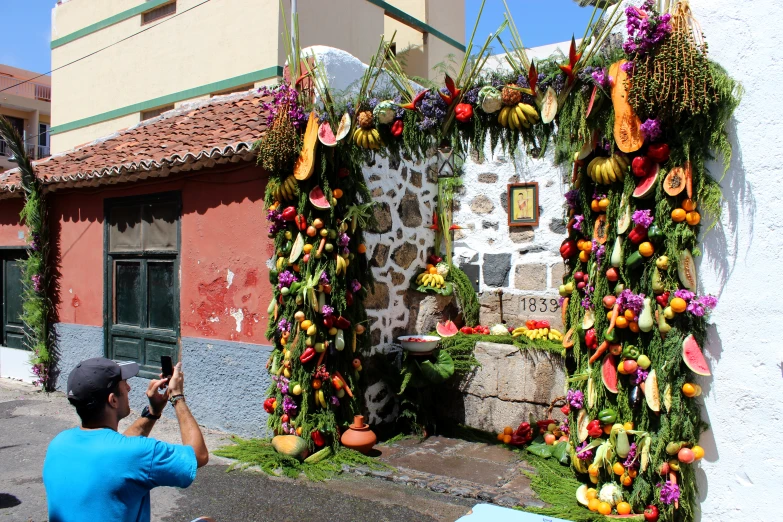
[29,419]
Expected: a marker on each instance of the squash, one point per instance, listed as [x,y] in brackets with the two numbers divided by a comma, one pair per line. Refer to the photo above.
[601,229]
[627,125]
[674,182]
[305,164]
[290,445]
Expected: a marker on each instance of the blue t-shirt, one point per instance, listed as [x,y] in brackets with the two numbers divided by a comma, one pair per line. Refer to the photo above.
[103,475]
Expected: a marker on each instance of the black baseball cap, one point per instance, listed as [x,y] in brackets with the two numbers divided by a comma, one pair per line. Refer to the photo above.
[97,375]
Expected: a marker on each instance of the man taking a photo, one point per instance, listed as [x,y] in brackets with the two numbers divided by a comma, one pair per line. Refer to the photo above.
[93,472]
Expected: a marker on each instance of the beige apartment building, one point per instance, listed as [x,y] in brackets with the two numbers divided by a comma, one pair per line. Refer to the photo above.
[27,105]
[157,54]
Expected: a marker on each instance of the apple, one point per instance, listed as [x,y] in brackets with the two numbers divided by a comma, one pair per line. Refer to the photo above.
[581,285]
[609,301]
[686,456]
[579,275]
[651,514]
[549,438]
[668,313]
[629,365]
[664,469]
[619,289]
[662,263]
[562,291]
[644,362]
[612,274]
[569,287]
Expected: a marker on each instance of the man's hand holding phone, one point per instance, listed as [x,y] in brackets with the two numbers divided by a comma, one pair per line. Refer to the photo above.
[177,382]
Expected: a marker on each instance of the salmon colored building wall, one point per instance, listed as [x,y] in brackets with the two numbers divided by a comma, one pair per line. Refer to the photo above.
[10,226]
[224,289]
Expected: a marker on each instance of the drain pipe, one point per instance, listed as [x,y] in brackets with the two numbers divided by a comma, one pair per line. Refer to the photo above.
[294,66]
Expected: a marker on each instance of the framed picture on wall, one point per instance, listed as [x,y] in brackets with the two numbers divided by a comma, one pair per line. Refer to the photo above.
[523,204]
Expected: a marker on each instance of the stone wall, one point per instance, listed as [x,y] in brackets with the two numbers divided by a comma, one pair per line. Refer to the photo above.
[508,386]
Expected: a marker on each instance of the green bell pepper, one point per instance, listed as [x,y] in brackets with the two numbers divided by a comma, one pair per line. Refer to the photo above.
[607,416]
[631,352]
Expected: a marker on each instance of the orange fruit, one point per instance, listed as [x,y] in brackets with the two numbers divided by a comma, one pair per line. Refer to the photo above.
[626,480]
[296,267]
[628,426]
[593,470]
[623,508]
[299,431]
[587,246]
[678,304]
[593,504]
[337,193]
[584,256]
[591,494]
[628,314]
[646,249]
[433,270]
[579,244]
[609,315]
[621,322]
[361,248]
[693,218]
[605,508]
[603,204]
[678,215]
[307,248]
[506,439]
[618,468]
[698,452]
[316,384]
[689,390]
[688,205]
[508,430]
[594,206]
[500,437]
[633,473]
[429,265]
[633,326]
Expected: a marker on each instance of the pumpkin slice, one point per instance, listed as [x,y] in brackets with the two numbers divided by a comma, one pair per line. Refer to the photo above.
[674,182]
[627,125]
[305,164]
[601,229]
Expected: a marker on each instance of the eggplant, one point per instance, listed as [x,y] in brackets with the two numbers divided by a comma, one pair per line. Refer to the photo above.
[635,397]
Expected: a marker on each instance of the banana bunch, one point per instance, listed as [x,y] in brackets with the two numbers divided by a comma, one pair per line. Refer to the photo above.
[320,399]
[518,116]
[342,265]
[367,138]
[287,190]
[539,333]
[608,170]
[433,280]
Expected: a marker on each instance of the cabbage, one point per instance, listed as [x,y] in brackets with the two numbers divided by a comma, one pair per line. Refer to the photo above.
[610,493]
[385,111]
[443,268]
[498,329]
[490,99]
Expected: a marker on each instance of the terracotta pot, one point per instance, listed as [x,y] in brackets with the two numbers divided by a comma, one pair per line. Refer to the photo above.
[359,436]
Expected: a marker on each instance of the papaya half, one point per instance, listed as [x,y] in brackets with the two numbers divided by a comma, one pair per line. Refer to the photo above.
[627,125]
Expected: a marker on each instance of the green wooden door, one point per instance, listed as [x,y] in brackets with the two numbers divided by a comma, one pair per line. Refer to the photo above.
[12,328]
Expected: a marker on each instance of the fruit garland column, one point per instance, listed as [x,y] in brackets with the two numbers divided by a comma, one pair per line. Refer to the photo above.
[35,282]
[320,276]
[635,317]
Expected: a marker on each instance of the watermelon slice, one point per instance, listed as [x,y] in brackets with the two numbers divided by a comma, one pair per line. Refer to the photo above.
[318,199]
[646,187]
[325,135]
[447,329]
[694,359]
[609,373]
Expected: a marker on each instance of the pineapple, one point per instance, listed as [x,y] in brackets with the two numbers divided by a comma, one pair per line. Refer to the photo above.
[365,120]
[511,97]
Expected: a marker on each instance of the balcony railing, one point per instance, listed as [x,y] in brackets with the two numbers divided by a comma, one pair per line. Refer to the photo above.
[32,90]
[34,151]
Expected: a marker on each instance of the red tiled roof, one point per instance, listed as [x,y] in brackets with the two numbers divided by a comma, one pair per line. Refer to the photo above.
[218,130]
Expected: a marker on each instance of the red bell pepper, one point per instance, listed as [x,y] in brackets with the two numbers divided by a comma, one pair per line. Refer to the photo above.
[463,112]
[530,325]
[342,323]
[397,127]
[329,321]
[289,214]
[641,165]
[301,222]
[594,429]
[318,438]
[467,330]
[566,409]
[544,424]
[591,339]
[663,299]
[638,234]
[269,405]
[348,298]
[658,152]
[568,249]
[307,355]
[343,172]
[542,324]
[337,383]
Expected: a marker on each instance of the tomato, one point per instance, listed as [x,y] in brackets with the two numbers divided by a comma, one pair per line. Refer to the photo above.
[651,514]
[466,330]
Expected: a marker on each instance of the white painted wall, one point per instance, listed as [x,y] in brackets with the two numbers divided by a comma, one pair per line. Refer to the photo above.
[15,364]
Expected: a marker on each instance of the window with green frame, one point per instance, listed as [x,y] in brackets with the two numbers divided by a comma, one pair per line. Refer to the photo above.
[142,239]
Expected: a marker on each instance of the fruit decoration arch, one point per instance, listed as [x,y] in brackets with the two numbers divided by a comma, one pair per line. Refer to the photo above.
[637,122]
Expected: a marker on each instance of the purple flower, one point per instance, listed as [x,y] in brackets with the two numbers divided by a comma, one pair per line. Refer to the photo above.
[355,286]
[643,218]
[687,295]
[572,198]
[283,97]
[560,302]
[627,67]
[433,108]
[343,240]
[630,301]
[471,96]
[695,308]
[283,325]
[640,376]
[631,461]
[327,310]
[578,222]
[334,400]
[286,279]
[599,250]
[583,453]
[601,78]
[586,303]
[564,427]
[651,129]
[670,492]
[575,398]
[37,282]
[35,243]
[289,406]
[324,279]
[708,301]
[645,28]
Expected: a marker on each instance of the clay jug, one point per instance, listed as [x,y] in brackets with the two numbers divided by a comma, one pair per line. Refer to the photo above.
[359,436]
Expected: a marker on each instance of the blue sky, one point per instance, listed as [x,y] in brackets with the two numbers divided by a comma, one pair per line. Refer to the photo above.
[24,39]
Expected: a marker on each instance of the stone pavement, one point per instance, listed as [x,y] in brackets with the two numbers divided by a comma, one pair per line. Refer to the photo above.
[484,472]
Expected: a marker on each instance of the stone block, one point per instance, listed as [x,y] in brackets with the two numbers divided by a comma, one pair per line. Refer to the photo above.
[488,177]
[481,205]
[426,310]
[557,271]
[557,226]
[521,234]
[383,219]
[410,214]
[416,178]
[496,268]
[405,254]
[379,298]
[531,376]
[380,255]
[504,201]
[530,277]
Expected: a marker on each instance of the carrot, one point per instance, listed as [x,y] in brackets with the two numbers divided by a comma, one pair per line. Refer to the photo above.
[599,352]
[642,386]
[345,384]
[564,309]
[321,358]
[353,342]
[613,319]
[689,179]
[276,310]
[321,246]
[269,362]
[673,479]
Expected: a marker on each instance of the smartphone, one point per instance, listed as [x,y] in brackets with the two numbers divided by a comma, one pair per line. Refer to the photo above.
[167,369]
